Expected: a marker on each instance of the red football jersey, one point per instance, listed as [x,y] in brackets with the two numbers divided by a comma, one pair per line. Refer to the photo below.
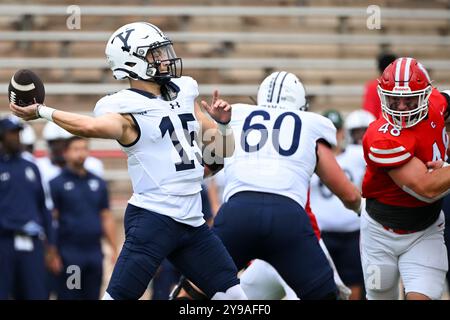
[371,100]
[386,147]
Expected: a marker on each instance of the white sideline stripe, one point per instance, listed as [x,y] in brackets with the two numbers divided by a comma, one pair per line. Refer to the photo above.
[387,151]
[27,87]
[389,160]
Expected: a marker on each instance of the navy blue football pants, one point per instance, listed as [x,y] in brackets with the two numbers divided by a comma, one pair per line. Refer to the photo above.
[276,229]
[150,237]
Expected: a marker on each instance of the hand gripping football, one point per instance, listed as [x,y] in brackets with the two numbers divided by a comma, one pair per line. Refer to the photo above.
[26,88]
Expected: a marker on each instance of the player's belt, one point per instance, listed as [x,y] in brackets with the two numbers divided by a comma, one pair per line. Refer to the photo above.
[403,220]
[399,231]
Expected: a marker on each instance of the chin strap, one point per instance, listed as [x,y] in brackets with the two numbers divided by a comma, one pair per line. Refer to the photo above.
[169,91]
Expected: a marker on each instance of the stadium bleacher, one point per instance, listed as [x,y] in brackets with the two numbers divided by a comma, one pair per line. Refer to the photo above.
[225,45]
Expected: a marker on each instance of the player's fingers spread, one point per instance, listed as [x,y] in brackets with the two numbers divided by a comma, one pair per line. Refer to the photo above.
[223,104]
[227,108]
[219,103]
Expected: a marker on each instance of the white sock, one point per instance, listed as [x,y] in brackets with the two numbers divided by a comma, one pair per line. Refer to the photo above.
[106,296]
[233,293]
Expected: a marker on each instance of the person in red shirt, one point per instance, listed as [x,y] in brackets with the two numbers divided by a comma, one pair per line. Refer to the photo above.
[402,228]
[371,100]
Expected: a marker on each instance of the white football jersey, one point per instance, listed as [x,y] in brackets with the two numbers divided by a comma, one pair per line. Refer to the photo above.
[331,214]
[164,163]
[49,171]
[278,152]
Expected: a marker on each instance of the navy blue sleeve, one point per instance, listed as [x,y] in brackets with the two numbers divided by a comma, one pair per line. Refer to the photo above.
[104,201]
[47,219]
[53,186]
[206,205]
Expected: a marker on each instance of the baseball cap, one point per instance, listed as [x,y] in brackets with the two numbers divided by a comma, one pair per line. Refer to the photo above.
[9,124]
[335,117]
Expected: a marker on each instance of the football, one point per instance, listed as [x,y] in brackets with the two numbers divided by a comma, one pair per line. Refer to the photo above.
[26,88]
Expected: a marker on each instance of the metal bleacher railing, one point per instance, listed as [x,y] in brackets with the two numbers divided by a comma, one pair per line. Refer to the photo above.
[283,11]
[66,37]
[291,37]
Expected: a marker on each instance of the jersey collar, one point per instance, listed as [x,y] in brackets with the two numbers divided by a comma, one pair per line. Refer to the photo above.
[143,92]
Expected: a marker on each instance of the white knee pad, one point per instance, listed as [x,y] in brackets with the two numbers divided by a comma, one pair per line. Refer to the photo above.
[381,282]
[233,293]
[260,281]
[389,294]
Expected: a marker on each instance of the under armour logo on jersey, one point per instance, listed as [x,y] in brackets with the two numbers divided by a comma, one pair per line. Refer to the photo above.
[5,176]
[29,174]
[93,184]
[69,186]
[433,125]
[124,40]
[174,105]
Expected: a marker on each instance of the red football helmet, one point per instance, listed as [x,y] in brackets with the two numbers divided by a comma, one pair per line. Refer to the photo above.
[408,81]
